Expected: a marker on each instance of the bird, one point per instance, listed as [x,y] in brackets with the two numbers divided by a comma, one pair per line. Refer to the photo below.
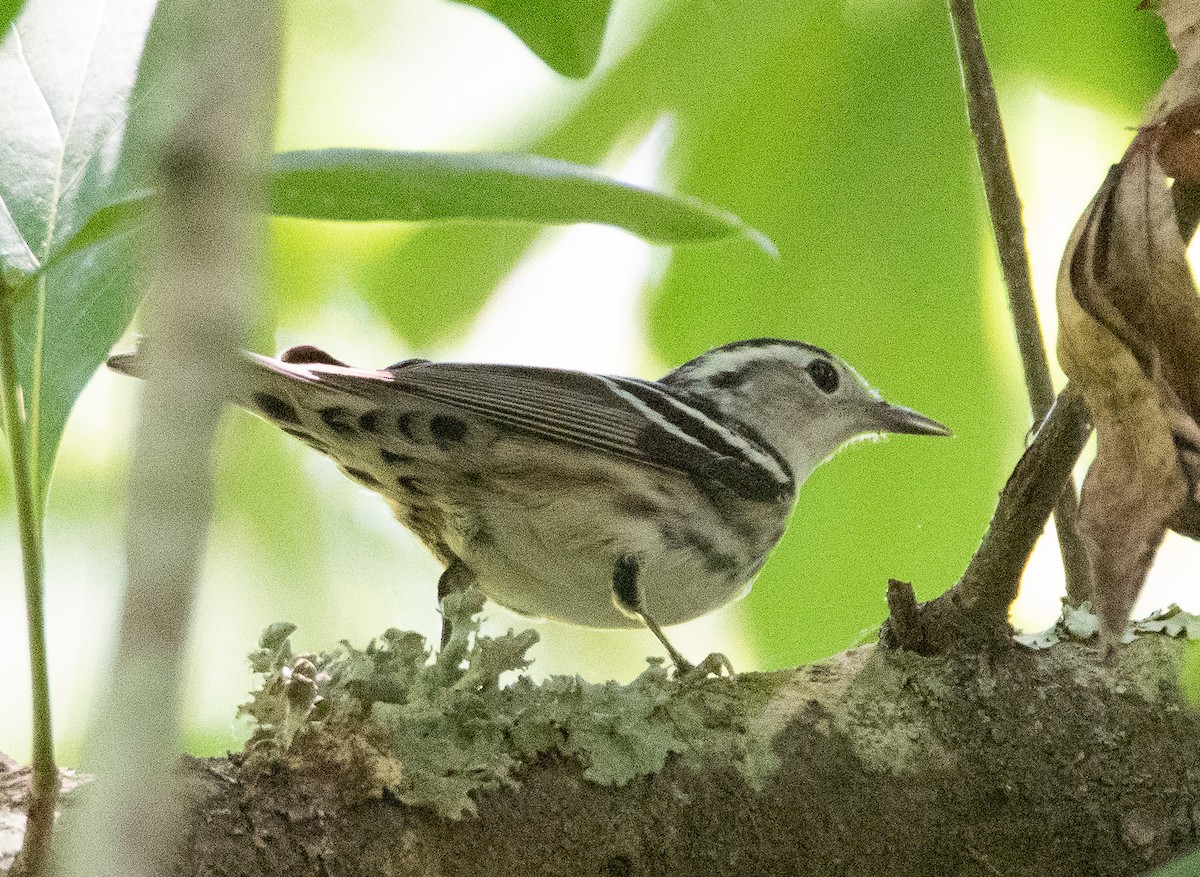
[590,499]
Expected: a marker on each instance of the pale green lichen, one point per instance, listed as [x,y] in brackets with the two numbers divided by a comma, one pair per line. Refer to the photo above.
[433,729]
[1081,623]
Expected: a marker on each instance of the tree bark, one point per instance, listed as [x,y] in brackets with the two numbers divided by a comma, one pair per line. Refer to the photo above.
[1014,762]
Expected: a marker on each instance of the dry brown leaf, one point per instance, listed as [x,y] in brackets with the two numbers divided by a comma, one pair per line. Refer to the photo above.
[1179,150]
[1130,339]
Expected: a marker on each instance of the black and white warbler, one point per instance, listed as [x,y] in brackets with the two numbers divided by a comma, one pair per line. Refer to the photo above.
[595,500]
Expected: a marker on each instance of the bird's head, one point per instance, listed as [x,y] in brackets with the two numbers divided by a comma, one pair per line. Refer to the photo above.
[801,399]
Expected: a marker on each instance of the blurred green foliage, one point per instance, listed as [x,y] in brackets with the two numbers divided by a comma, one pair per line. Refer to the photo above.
[9,9]
[566,34]
[372,185]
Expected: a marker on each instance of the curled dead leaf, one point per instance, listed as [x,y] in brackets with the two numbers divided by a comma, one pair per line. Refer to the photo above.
[1179,145]
[1130,336]
[1130,339]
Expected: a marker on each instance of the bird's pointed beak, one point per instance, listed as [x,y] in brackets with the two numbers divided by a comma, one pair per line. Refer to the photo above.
[897,418]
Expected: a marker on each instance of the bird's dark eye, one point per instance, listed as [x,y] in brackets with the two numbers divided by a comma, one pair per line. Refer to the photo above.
[824,375]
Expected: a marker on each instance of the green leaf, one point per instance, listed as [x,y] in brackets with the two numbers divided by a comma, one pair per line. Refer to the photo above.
[9,10]
[66,72]
[367,185]
[121,217]
[1185,867]
[566,35]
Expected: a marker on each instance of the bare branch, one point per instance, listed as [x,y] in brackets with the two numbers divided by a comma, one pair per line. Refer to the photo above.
[1009,229]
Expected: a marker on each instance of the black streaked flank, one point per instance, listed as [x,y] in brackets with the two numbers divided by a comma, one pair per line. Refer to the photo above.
[715,560]
[636,505]
[393,459]
[625,583]
[424,522]
[336,417]
[369,421]
[312,441]
[412,485]
[447,430]
[362,477]
[276,408]
[404,425]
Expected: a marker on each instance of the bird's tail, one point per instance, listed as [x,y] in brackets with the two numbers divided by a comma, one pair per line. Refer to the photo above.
[304,384]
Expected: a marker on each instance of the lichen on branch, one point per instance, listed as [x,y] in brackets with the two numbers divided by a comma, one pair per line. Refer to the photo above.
[433,730]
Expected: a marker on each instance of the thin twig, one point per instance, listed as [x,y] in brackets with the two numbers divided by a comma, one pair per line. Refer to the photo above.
[39,824]
[1008,227]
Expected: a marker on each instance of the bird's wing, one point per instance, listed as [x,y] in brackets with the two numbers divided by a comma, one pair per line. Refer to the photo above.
[637,420]
[643,421]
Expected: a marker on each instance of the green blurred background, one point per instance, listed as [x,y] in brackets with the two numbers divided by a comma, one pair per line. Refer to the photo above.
[838,129]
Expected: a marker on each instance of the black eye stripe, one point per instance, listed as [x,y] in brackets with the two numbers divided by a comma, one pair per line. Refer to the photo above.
[824,375]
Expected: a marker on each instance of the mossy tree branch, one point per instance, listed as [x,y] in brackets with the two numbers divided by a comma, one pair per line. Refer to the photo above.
[1049,763]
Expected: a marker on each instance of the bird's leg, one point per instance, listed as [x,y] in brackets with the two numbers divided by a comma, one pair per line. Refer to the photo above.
[456,578]
[627,593]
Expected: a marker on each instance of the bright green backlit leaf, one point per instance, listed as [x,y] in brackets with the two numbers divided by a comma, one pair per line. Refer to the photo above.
[105,225]
[566,35]
[9,10]
[1185,867]
[374,185]
[369,185]
[66,72]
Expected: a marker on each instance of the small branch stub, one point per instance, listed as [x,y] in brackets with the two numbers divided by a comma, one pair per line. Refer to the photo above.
[975,611]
